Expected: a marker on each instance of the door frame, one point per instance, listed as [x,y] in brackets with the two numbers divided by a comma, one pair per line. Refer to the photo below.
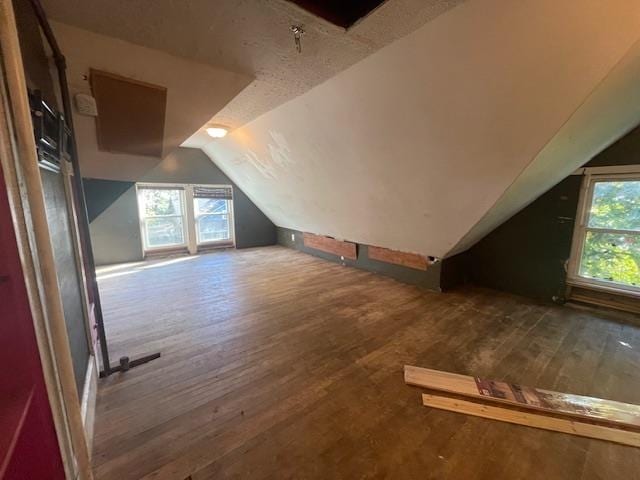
[25,193]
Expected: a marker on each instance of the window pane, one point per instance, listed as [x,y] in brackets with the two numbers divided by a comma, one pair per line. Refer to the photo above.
[163,232]
[213,228]
[161,202]
[611,257]
[616,205]
[210,205]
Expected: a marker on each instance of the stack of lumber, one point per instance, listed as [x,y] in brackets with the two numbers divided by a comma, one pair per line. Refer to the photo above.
[561,412]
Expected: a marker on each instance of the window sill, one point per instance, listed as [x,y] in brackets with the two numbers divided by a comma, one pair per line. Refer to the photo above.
[205,247]
[165,251]
[603,288]
[602,296]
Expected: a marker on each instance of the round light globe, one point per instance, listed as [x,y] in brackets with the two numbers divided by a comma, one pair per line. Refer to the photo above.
[216,132]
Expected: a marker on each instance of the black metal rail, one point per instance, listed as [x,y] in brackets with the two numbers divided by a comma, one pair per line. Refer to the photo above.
[81,206]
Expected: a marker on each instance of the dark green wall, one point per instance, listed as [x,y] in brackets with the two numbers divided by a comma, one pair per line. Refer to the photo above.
[428,279]
[101,194]
[625,151]
[527,254]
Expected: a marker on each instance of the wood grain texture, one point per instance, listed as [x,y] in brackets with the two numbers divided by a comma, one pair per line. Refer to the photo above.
[410,260]
[604,299]
[531,419]
[277,364]
[131,114]
[577,406]
[331,245]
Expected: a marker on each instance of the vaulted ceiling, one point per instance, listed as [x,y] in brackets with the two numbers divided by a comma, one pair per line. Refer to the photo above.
[422,127]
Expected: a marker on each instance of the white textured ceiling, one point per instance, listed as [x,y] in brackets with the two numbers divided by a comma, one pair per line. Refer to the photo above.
[250,37]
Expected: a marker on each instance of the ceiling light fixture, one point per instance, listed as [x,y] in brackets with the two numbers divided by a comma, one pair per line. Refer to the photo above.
[217,132]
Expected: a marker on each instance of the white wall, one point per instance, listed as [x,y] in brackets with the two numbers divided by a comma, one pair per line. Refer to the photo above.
[412,146]
[195,92]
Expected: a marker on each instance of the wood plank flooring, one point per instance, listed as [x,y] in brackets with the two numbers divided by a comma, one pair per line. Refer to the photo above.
[279,365]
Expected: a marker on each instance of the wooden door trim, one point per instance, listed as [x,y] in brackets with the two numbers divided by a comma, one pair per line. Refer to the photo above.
[25,192]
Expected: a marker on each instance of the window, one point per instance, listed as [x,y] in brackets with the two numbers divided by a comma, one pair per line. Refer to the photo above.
[212,212]
[606,250]
[178,216]
[162,217]
[212,220]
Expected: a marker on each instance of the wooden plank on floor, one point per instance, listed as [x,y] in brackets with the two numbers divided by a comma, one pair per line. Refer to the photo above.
[578,406]
[531,419]
[331,245]
[410,260]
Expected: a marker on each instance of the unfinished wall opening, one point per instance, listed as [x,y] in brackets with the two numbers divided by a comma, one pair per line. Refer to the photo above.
[341,13]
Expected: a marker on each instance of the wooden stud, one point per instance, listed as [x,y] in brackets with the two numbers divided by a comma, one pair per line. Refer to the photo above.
[535,420]
[576,406]
[331,245]
[410,260]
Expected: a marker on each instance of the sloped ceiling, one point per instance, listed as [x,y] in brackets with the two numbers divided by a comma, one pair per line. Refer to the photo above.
[252,37]
[611,111]
[412,147]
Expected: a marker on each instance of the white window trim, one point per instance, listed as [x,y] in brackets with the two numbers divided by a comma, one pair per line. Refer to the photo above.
[141,218]
[188,216]
[581,228]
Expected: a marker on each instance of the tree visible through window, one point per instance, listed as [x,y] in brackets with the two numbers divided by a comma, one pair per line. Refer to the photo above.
[162,217]
[185,215]
[212,219]
[611,245]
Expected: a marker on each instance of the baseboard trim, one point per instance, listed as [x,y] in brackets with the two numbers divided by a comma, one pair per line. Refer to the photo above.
[88,403]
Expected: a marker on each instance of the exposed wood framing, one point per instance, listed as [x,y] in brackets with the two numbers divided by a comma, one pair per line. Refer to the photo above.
[535,420]
[410,260]
[331,245]
[576,406]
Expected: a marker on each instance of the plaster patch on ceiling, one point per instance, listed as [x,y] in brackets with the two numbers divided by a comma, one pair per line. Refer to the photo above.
[251,37]
[265,169]
[280,151]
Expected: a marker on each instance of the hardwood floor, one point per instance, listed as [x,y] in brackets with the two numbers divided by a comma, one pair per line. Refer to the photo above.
[279,365]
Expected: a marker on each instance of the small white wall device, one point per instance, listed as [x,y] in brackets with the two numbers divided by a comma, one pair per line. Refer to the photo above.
[86,105]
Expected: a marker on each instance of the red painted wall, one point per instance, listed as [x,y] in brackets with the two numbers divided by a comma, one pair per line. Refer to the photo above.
[28,443]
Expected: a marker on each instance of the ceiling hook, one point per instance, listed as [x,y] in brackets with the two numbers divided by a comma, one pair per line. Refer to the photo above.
[298,32]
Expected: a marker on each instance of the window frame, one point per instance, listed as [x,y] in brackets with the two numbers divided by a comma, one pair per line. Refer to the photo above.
[189,223]
[581,229]
[142,218]
[230,213]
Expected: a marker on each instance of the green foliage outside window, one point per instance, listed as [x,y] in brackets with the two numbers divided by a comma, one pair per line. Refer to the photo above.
[613,256]
[161,202]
